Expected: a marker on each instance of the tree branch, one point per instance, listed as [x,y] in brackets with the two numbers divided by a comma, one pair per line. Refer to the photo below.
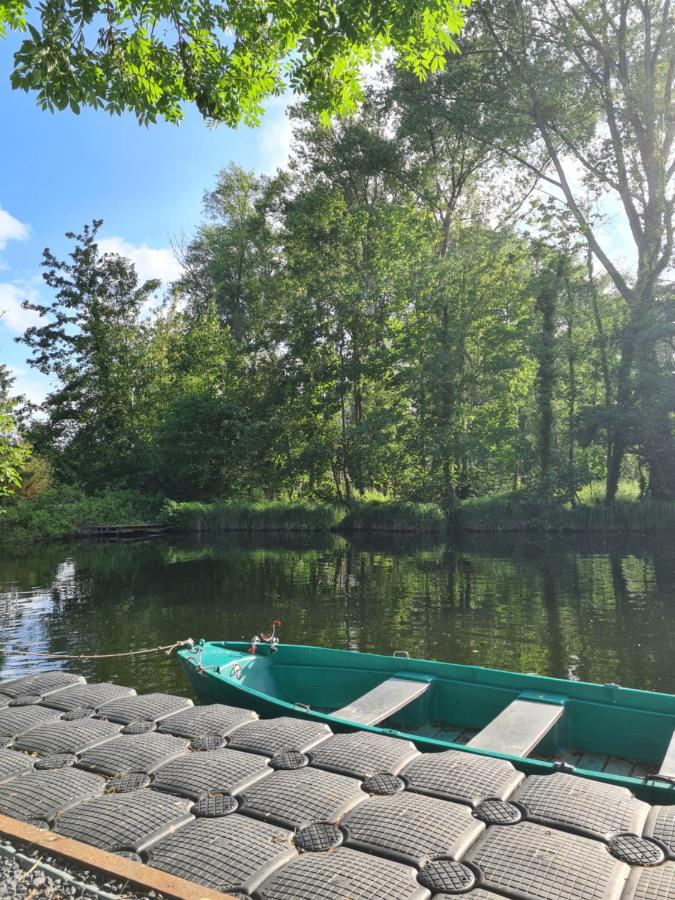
[575,209]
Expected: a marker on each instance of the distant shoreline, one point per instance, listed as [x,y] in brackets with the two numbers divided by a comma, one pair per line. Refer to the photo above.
[66,513]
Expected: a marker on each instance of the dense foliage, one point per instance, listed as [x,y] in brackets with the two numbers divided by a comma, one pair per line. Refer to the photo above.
[149,56]
[422,305]
[14,453]
[66,511]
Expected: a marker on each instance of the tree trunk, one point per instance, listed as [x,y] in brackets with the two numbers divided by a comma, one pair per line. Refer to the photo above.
[655,435]
[448,478]
[343,430]
[571,393]
[601,339]
[621,412]
[357,403]
[546,305]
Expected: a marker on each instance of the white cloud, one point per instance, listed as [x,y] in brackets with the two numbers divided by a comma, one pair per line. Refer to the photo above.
[274,136]
[150,262]
[11,229]
[31,385]
[12,316]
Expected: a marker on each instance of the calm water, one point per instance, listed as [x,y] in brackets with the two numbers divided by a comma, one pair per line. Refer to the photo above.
[597,611]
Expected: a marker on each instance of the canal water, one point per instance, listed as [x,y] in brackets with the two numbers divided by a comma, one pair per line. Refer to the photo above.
[589,609]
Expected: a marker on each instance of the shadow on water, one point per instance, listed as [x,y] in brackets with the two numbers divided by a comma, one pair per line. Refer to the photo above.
[592,609]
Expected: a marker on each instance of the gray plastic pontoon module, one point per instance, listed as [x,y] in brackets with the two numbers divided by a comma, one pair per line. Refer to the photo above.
[17,720]
[579,804]
[199,721]
[230,854]
[196,774]
[465,777]
[412,828]
[13,764]
[297,797]
[67,737]
[532,862]
[651,884]
[39,796]
[130,821]
[361,754]
[153,707]
[661,826]
[343,873]
[87,695]
[270,736]
[133,753]
[475,894]
[43,684]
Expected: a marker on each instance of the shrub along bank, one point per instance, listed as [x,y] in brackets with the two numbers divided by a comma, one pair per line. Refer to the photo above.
[64,512]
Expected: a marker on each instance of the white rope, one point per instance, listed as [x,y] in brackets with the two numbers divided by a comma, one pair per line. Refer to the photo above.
[167,648]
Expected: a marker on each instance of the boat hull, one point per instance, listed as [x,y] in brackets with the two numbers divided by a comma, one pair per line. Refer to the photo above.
[599,722]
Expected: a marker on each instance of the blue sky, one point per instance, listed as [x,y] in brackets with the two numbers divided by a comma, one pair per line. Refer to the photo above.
[59,170]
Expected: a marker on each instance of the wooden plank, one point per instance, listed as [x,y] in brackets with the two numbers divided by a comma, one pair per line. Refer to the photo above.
[466,735]
[383,701]
[668,764]
[439,732]
[617,766]
[571,757]
[519,728]
[136,874]
[594,762]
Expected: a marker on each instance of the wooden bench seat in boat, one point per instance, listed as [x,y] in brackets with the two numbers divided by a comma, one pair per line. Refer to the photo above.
[521,726]
[383,701]
[668,764]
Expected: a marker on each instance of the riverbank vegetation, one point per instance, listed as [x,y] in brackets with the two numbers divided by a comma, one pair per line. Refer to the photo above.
[367,514]
[264,516]
[422,305]
[66,511]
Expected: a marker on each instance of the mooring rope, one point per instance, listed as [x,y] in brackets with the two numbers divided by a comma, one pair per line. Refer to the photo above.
[167,648]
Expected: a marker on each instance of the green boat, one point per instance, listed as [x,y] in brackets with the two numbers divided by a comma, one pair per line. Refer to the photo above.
[610,733]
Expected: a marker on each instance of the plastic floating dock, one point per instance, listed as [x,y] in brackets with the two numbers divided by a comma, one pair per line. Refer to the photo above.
[283,809]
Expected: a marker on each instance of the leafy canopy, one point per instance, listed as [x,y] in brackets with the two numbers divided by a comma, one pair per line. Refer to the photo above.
[150,56]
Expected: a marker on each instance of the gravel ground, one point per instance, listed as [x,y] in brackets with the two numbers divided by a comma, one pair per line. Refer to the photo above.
[26,880]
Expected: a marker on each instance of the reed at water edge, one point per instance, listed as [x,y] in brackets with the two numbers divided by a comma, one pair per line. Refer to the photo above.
[65,512]
[271,515]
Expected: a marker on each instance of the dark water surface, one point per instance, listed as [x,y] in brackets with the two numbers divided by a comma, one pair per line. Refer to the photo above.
[596,610]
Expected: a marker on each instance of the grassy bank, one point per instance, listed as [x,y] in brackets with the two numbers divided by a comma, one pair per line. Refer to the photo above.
[64,511]
[240,516]
[362,515]
[517,511]
[507,512]
[394,515]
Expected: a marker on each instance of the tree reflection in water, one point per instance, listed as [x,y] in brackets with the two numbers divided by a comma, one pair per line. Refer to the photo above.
[595,610]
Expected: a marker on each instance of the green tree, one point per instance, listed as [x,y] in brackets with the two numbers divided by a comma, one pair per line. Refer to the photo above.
[232,295]
[14,453]
[151,56]
[351,248]
[595,82]
[230,263]
[468,346]
[195,440]
[89,343]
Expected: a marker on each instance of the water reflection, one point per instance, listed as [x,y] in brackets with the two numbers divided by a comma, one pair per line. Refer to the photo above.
[598,611]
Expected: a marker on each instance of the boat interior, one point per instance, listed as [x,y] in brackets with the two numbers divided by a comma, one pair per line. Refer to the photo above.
[597,727]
